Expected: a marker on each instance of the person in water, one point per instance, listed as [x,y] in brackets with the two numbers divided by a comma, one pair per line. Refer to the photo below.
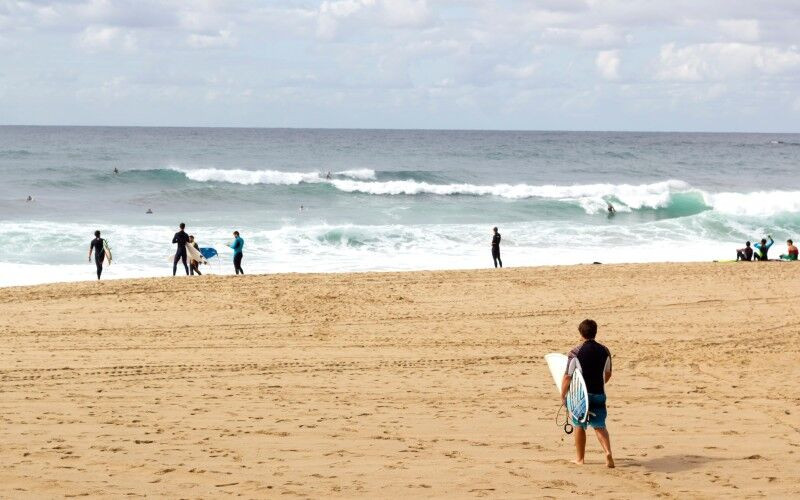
[745,253]
[238,246]
[194,266]
[496,248]
[30,198]
[763,248]
[181,239]
[594,360]
[149,211]
[97,245]
[611,209]
[791,251]
[116,171]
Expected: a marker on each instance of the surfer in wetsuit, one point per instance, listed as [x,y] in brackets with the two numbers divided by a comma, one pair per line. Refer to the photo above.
[745,253]
[611,209]
[594,361]
[763,248]
[237,245]
[496,249]
[97,246]
[194,266]
[181,239]
[791,251]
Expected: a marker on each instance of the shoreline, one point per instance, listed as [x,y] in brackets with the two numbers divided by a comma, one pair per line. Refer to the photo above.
[404,271]
[425,383]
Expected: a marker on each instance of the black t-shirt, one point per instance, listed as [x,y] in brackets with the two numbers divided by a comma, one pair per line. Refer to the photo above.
[495,240]
[594,360]
[181,238]
[97,245]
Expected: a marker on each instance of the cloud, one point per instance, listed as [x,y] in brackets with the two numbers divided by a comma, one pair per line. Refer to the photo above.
[221,38]
[721,61]
[103,38]
[607,62]
[334,16]
[740,30]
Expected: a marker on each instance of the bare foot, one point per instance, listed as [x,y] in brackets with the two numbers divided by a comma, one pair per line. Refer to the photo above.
[578,461]
[609,461]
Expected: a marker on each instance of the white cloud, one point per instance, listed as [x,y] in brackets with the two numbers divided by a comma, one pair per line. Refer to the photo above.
[607,62]
[102,38]
[601,36]
[221,38]
[506,71]
[740,30]
[720,61]
[334,16]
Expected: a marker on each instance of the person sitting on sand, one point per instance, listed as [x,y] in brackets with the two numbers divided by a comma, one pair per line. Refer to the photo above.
[594,360]
[745,253]
[194,266]
[791,252]
[763,248]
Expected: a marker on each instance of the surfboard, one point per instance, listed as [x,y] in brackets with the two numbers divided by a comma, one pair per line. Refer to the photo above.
[107,250]
[577,396]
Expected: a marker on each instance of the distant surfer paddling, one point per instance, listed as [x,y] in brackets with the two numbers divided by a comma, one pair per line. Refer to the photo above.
[181,239]
[237,245]
[594,361]
[98,246]
[496,248]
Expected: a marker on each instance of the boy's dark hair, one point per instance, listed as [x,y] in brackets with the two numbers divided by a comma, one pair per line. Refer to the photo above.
[588,328]
[236,233]
[182,225]
[747,244]
[763,241]
[789,242]
[97,234]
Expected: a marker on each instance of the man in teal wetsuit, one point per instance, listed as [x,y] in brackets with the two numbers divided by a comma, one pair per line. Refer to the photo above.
[238,246]
[763,248]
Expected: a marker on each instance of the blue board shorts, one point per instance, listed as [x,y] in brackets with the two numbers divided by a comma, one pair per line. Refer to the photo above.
[597,413]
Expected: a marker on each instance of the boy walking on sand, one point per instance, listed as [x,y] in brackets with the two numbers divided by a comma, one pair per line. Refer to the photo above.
[594,361]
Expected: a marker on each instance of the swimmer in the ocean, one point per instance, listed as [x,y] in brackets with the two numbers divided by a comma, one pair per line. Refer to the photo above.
[30,198]
[116,170]
[149,211]
[611,209]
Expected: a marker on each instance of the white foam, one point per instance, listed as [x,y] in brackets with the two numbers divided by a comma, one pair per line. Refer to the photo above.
[249,177]
[590,196]
[363,174]
[760,203]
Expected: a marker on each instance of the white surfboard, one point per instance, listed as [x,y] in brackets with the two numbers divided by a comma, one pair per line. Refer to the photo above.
[557,363]
[577,396]
[107,250]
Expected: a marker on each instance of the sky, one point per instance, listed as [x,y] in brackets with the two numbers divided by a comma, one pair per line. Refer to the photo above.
[683,65]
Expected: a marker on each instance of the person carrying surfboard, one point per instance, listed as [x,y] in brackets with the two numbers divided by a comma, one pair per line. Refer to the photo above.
[98,246]
[194,265]
[594,362]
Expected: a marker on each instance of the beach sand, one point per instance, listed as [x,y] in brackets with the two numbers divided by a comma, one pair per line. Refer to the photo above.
[423,384]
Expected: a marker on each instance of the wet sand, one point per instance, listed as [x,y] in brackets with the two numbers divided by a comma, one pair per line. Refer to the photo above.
[424,384]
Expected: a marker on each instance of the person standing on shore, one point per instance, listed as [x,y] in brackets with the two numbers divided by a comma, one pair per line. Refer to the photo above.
[97,246]
[496,248]
[237,246]
[594,361]
[181,239]
[194,266]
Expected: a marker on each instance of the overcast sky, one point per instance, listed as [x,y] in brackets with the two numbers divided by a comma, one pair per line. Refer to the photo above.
[539,64]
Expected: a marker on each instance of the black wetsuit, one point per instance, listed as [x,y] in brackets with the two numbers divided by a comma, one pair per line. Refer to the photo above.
[181,238]
[745,253]
[496,250]
[99,254]
[194,266]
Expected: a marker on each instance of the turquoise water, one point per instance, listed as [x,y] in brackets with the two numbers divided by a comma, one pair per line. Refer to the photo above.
[394,199]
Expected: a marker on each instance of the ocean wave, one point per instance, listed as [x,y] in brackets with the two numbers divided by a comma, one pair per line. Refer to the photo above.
[274,177]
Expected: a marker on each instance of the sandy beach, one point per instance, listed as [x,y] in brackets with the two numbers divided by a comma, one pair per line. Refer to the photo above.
[421,384]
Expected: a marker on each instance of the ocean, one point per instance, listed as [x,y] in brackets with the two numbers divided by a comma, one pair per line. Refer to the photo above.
[395,199]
